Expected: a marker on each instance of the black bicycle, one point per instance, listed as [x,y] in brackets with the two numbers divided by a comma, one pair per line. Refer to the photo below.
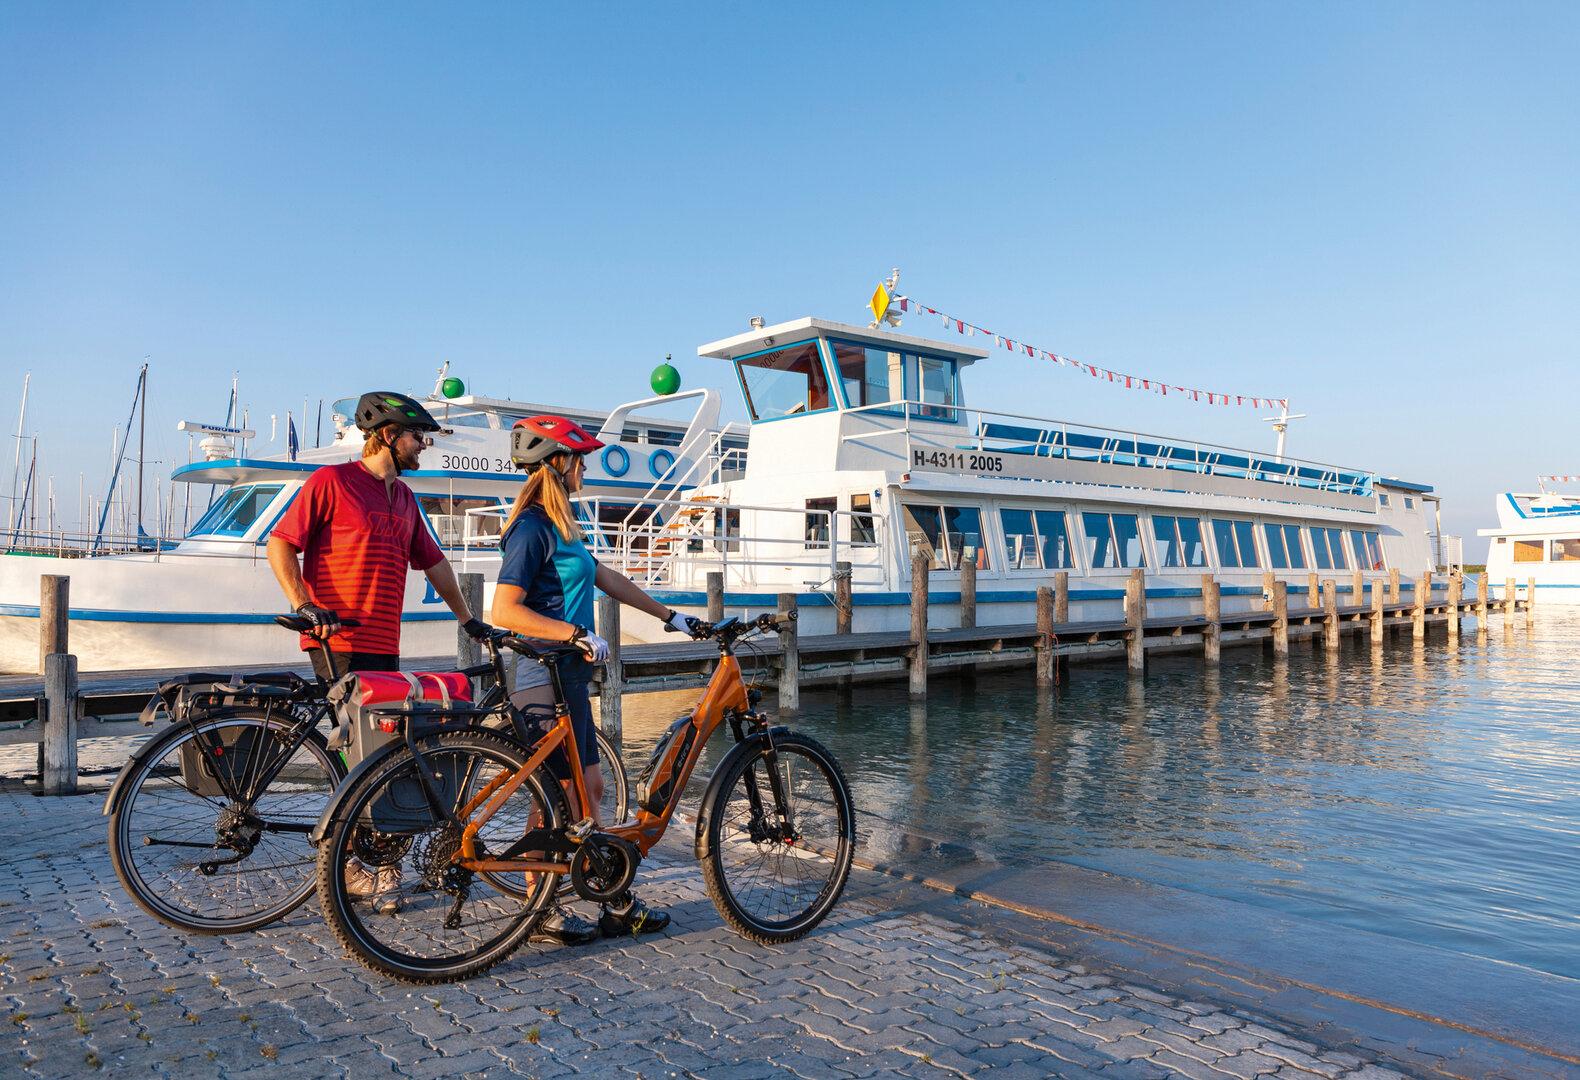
[211,820]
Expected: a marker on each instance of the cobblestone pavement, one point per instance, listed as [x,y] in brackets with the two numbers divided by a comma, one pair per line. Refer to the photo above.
[881,989]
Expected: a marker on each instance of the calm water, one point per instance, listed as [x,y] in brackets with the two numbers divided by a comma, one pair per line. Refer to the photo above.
[1427,795]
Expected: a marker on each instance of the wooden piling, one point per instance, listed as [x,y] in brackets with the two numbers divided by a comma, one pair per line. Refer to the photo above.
[716,594]
[1423,593]
[1212,612]
[968,592]
[1509,589]
[1280,602]
[1482,604]
[1456,591]
[1046,658]
[1394,586]
[58,775]
[1358,589]
[1530,602]
[1330,614]
[469,653]
[789,655]
[612,681]
[1135,618]
[1377,614]
[920,565]
[1313,592]
[54,616]
[1061,597]
[843,611]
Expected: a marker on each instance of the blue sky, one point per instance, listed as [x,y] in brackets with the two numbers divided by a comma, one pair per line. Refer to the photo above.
[1371,209]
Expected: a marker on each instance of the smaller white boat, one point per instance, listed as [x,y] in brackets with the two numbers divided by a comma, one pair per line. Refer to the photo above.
[1537,539]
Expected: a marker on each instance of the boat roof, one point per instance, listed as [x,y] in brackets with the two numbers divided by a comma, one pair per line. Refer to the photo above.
[758,339]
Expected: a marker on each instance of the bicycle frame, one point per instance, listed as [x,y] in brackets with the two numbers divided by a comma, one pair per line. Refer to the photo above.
[725,694]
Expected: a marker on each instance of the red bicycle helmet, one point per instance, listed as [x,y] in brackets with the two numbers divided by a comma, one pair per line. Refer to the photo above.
[537,438]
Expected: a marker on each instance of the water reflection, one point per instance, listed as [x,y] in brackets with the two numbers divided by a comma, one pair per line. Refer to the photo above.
[1413,791]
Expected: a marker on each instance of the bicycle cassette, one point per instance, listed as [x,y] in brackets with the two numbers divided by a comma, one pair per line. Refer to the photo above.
[604,867]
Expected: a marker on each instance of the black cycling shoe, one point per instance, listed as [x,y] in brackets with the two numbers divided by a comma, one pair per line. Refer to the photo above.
[635,918]
[562,927]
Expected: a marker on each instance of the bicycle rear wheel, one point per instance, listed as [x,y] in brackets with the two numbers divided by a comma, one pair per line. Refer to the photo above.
[197,859]
[427,920]
[775,868]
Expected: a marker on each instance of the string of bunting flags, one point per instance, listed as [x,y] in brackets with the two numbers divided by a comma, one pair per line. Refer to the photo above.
[1118,378]
[1567,478]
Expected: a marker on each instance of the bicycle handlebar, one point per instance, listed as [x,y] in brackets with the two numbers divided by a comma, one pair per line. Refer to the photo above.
[302,626]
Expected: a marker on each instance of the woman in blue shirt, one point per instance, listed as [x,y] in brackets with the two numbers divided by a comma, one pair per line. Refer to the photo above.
[547,579]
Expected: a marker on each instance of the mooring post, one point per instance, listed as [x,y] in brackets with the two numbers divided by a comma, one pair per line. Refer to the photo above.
[716,595]
[1046,657]
[469,653]
[920,564]
[968,590]
[1481,602]
[1509,589]
[1212,612]
[59,773]
[1530,602]
[1358,588]
[1377,614]
[1280,595]
[1423,591]
[1135,618]
[1456,594]
[1394,587]
[54,616]
[612,682]
[789,654]
[842,609]
[1330,614]
[1313,592]
[1061,597]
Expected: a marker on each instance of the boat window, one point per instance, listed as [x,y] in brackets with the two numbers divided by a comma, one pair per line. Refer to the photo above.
[1284,549]
[784,382]
[452,417]
[448,516]
[245,510]
[1179,541]
[947,535]
[219,510]
[1319,549]
[1037,540]
[819,520]
[1368,549]
[657,437]
[1528,551]
[869,376]
[1409,503]
[936,389]
[1566,550]
[1236,543]
[863,529]
[1382,499]
[1329,543]
[1112,540]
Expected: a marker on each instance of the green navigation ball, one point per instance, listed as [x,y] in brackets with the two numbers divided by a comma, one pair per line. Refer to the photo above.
[666,380]
[452,387]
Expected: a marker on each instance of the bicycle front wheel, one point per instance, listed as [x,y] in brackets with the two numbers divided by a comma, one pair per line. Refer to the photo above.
[615,803]
[779,836]
[388,882]
[188,845]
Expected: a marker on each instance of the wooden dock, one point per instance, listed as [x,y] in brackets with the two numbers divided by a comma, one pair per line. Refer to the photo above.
[105,704]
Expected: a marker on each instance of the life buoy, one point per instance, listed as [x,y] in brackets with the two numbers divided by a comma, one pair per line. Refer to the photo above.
[609,453]
[653,466]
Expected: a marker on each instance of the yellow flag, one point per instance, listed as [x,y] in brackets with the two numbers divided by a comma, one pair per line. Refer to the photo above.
[880,303]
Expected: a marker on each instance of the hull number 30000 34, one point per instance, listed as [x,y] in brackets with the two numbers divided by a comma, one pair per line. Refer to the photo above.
[957,460]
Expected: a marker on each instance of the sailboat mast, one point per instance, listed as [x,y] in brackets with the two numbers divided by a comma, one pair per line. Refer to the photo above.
[16,461]
[142,431]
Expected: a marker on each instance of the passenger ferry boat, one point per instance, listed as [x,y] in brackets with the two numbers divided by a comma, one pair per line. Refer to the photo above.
[1538,537]
[209,598]
[861,449]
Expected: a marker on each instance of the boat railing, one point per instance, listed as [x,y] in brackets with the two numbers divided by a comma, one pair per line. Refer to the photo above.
[679,541]
[1450,552]
[707,467]
[917,424]
[65,544]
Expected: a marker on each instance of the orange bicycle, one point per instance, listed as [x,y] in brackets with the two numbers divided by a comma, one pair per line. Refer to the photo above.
[480,833]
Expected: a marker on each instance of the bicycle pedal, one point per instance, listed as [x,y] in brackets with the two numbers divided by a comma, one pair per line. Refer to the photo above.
[581,830]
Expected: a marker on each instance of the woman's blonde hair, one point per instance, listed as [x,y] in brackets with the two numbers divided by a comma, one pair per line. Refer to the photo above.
[546,488]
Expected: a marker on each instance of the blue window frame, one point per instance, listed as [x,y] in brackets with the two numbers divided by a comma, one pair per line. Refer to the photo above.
[791,380]
[245,509]
[1236,544]
[1179,541]
[868,375]
[1113,541]
[1037,540]
[216,513]
[946,534]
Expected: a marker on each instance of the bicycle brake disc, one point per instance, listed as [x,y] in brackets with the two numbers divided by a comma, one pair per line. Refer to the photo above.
[603,868]
[374,848]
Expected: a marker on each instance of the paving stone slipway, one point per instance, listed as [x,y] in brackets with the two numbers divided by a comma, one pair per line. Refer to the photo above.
[887,986]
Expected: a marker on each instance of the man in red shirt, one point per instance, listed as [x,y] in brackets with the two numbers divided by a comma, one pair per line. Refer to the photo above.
[357,529]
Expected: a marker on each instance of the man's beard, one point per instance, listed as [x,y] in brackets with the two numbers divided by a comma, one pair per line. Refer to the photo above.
[406,462]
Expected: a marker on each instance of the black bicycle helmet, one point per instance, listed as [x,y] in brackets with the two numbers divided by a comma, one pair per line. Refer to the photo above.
[379,407]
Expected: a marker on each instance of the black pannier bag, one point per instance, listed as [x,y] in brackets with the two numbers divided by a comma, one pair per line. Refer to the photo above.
[224,758]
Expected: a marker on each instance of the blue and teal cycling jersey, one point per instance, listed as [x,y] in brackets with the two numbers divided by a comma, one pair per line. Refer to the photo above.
[556,574]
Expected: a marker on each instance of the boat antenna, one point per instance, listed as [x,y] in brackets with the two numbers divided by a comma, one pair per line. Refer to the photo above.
[1281,425]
